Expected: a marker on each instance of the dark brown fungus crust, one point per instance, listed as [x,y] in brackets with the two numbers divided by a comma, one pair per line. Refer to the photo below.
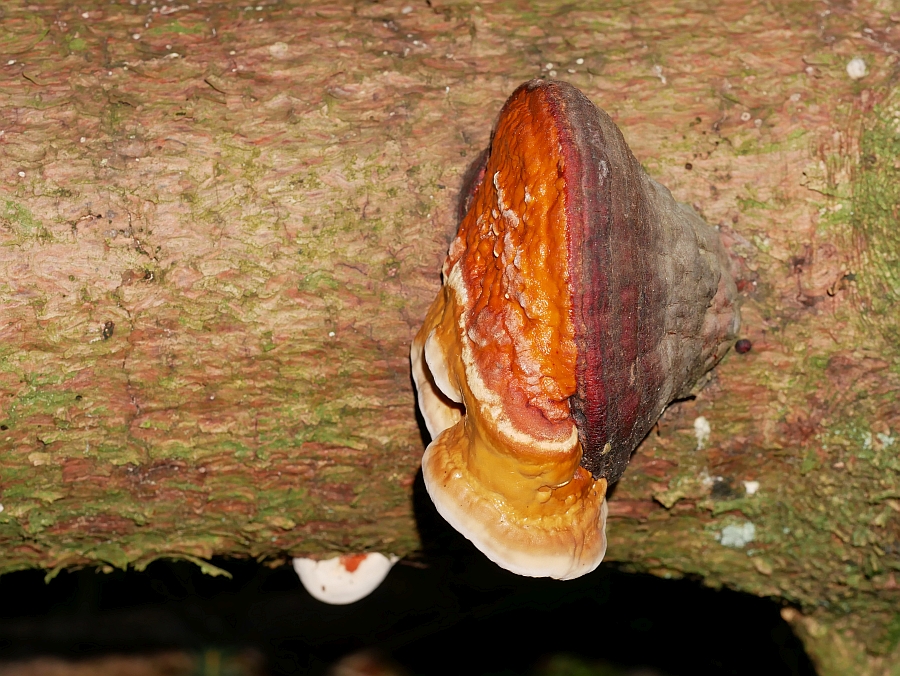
[579,300]
[655,303]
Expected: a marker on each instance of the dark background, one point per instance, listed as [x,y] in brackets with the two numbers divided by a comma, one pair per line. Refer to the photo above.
[447,611]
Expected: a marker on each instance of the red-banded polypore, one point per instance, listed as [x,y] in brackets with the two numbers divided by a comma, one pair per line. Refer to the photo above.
[579,300]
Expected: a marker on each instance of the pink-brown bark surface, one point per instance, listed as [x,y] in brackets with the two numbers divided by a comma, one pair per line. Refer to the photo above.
[221,225]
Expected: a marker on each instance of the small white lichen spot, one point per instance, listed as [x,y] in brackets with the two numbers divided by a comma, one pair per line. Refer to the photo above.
[279,50]
[856,69]
[886,439]
[136,36]
[751,487]
[745,116]
[738,535]
[406,10]
[21,174]
[702,430]
[579,61]
[343,579]
[1,508]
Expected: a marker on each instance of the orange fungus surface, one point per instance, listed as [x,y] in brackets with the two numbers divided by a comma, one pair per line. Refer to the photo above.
[512,248]
[351,562]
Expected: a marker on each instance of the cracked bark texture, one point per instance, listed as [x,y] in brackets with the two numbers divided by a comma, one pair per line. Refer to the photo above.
[221,225]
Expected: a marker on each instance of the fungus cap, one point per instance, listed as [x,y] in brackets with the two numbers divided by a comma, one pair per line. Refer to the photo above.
[343,579]
[579,299]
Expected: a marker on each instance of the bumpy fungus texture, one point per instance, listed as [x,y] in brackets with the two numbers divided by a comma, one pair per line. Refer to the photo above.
[579,299]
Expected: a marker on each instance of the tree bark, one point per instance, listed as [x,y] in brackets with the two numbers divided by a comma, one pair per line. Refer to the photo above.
[221,225]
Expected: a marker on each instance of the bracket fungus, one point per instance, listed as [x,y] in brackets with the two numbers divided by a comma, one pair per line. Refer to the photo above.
[579,300]
[343,579]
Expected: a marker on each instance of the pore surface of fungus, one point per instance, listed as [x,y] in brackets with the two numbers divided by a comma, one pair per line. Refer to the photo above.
[579,300]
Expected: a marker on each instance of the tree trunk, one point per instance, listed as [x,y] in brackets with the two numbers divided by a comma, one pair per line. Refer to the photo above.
[222,224]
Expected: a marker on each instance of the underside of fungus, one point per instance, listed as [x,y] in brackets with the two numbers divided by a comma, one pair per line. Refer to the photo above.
[579,300]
